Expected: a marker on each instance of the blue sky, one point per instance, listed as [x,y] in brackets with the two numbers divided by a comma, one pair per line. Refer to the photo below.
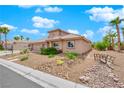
[35,21]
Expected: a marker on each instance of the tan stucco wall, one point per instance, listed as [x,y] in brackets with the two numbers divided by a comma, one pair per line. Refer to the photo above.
[36,47]
[56,33]
[20,46]
[80,47]
[53,34]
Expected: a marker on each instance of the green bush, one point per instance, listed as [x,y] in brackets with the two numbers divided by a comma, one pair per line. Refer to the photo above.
[1,47]
[71,55]
[24,51]
[51,56]
[59,62]
[48,51]
[100,45]
[23,58]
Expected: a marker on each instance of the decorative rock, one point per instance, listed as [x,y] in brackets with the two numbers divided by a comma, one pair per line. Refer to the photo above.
[111,75]
[109,70]
[110,65]
[121,85]
[103,61]
[84,79]
[115,79]
[70,62]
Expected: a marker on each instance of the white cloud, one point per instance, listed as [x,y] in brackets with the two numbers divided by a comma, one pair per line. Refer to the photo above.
[9,26]
[122,24]
[26,6]
[73,31]
[105,30]
[30,31]
[53,9]
[88,34]
[41,22]
[38,10]
[105,14]
[43,34]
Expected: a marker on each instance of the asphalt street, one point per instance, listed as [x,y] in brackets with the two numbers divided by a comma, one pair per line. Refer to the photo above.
[10,79]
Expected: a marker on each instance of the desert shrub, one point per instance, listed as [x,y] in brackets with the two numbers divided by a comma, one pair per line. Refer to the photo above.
[48,51]
[51,56]
[1,47]
[93,44]
[122,46]
[24,51]
[71,55]
[59,62]
[100,46]
[43,51]
[23,58]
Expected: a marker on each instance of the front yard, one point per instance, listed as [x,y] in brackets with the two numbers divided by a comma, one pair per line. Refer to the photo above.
[70,69]
[83,70]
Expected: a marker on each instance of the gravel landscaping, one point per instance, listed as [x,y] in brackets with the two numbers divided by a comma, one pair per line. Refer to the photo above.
[83,70]
[101,76]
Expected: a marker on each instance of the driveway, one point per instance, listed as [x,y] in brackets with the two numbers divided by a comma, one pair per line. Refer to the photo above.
[10,79]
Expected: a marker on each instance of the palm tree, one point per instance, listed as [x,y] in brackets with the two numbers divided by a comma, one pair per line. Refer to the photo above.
[27,38]
[21,37]
[1,31]
[115,22]
[123,33]
[109,39]
[16,38]
[5,32]
[113,35]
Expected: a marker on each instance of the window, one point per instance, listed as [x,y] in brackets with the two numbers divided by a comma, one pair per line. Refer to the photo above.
[55,45]
[70,44]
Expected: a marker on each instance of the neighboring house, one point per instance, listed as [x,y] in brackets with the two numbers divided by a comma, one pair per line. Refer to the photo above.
[63,41]
[18,44]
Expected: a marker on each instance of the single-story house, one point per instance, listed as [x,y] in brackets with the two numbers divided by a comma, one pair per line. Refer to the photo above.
[18,44]
[63,41]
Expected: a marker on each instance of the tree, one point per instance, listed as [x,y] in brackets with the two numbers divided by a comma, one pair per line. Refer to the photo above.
[112,35]
[115,22]
[27,38]
[101,45]
[107,40]
[1,31]
[21,37]
[5,32]
[123,33]
[16,37]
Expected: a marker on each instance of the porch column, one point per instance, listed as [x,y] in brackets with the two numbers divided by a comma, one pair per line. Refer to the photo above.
[62,44]
[50,44]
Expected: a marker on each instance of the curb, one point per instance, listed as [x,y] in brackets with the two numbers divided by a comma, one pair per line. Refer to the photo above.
[41,78]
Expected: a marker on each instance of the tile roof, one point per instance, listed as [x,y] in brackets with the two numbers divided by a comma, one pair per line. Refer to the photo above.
[65,37]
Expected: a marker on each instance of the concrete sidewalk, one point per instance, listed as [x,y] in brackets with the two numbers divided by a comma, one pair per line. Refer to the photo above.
[41,78]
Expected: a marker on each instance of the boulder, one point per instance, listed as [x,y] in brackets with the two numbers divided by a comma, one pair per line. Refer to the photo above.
[84,79]
[112,75]
[103,61]
[116,79]
[110,65]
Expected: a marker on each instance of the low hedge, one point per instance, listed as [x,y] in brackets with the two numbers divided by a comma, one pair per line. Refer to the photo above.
[48,51]
[71,55]
[1,47]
